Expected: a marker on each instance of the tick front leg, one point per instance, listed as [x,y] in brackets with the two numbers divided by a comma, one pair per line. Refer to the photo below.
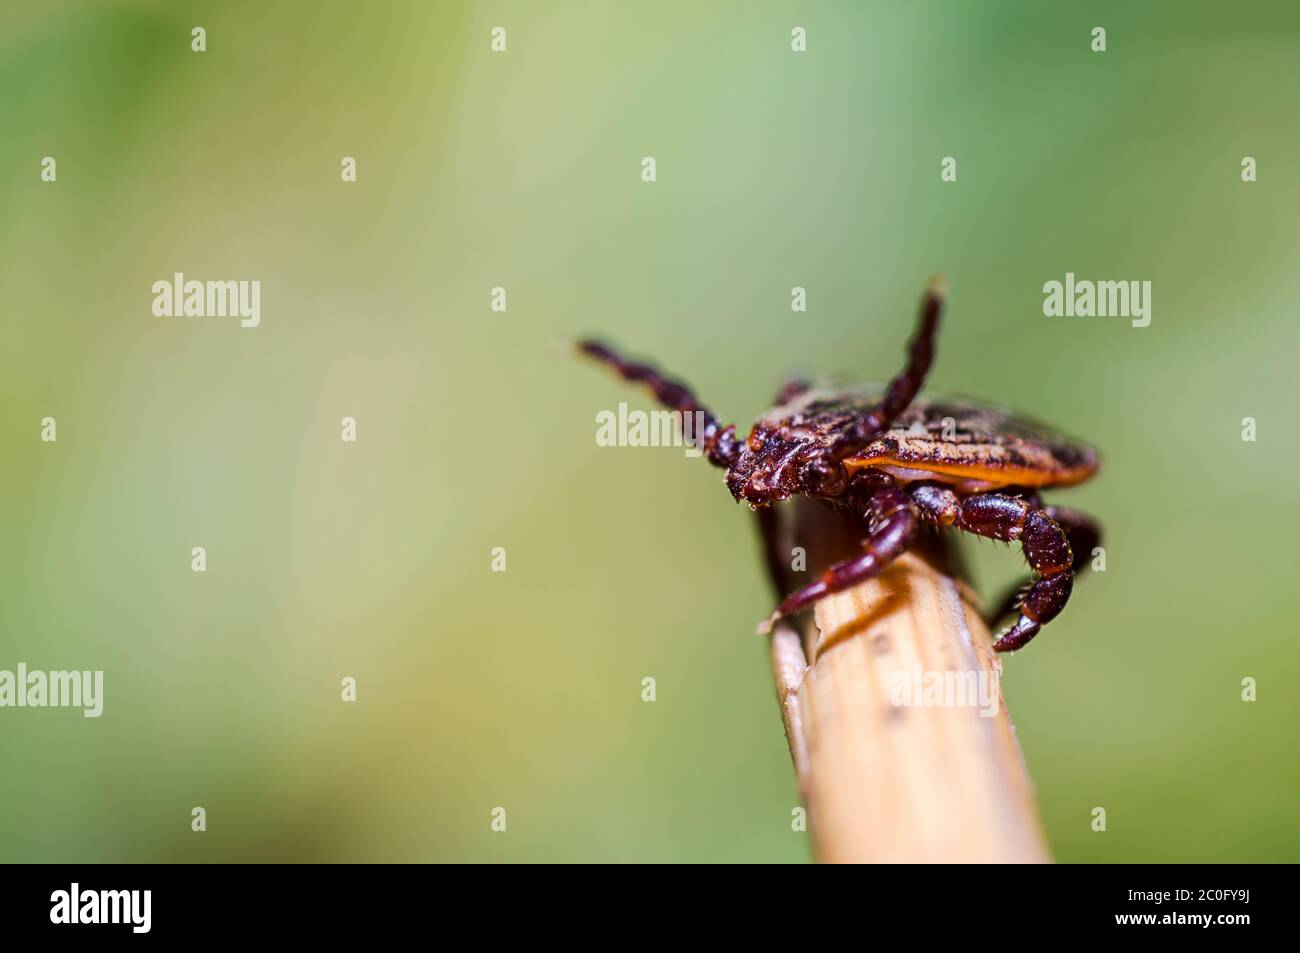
[1044,541]
[718,443]
[895,524]
[902,390]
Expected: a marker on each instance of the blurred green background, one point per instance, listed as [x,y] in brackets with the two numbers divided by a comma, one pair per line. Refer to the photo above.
[372,560]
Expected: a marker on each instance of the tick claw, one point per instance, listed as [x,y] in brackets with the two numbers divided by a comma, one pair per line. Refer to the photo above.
[1017,636]
[765,627]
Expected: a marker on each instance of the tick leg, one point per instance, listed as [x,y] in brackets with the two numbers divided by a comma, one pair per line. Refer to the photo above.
[895,525]
[1083,531]
[1084,535]
[718,443]
[791,389]
[1046,547]
[905,386]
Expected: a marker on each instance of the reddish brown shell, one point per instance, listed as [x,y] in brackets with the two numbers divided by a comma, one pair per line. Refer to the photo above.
[954,440]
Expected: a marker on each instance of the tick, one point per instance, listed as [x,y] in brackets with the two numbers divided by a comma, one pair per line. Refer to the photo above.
[893,461]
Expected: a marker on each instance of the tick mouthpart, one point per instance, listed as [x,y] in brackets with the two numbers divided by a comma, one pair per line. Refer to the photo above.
[824,475]
[761,481]
[782,468]
[757,491]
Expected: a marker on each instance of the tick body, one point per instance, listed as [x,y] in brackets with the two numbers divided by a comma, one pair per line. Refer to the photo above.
[893,461]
